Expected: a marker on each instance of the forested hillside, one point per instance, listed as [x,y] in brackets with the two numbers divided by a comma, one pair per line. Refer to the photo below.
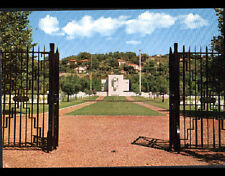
[154,70]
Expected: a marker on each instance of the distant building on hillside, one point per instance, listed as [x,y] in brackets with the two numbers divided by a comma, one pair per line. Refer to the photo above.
[81,69]
[72,61]
[121,62]
[84,60]
[135,66]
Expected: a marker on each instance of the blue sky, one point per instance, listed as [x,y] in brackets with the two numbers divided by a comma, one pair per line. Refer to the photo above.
[152,31]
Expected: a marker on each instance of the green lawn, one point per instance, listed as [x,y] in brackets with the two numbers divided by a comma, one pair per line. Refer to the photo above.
[61,105]
[157,102]
[75,102]
[115,98]
[115,108]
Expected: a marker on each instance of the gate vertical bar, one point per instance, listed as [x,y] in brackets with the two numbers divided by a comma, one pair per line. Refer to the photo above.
[21,87]
[189,88]
[196,123]
[4,121]
[56,127]
[38,93]
[27,77]
[50,100]
[183,94]
[43,126]
[1,139]
[207,93]
[32,95]
[174,115]
[177,99]
[53,98]
[171,100]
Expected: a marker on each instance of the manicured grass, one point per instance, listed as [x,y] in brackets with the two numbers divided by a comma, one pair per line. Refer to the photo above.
[115,108]
[114,98]
[75,102]
[61,105]
[157,102]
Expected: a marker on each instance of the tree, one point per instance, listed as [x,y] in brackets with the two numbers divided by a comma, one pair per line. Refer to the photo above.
[84,55]
[129,69]
[153,84]
[217,43]
[163,87]
[112,62]
[15,34]
[144,57]
[15,31]
[217,66]
[70,85]
[96,84]
[134,82]
[149,67]
[76,87]
[68,88]
[84,84]
[94,65]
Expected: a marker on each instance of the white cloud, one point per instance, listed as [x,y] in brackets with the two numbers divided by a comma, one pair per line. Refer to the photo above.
[133,42]
[192,21]
[50,25]
[147,22]
[87,26]
[144,24]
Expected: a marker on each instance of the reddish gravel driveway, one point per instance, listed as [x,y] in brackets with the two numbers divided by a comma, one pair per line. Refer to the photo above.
[105,141]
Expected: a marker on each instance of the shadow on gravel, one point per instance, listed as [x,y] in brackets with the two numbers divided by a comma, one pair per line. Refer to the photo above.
[212,157]
[152,142]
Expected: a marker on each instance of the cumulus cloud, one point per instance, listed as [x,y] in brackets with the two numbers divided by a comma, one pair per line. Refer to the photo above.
[192,21]
[144,24]
[87,26]
[50,25]
[147,22]
[133,42]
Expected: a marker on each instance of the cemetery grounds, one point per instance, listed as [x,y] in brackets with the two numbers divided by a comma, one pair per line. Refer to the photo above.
[118,132]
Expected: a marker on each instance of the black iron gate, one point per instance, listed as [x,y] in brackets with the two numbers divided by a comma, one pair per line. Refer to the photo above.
[30,101]
[197,99]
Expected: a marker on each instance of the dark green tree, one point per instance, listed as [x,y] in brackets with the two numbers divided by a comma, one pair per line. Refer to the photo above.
[217,66]
[129,69]
[15,30]
[163,86]
[217,42]
[15,35]
[68,88]
[70,85]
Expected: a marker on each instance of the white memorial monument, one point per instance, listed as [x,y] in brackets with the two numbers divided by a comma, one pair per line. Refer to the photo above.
[115,85]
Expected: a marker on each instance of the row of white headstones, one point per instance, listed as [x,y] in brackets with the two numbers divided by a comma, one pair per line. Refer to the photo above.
[190,100]
[43,98]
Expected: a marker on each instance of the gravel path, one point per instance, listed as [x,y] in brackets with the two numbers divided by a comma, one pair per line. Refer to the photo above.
[106,141]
